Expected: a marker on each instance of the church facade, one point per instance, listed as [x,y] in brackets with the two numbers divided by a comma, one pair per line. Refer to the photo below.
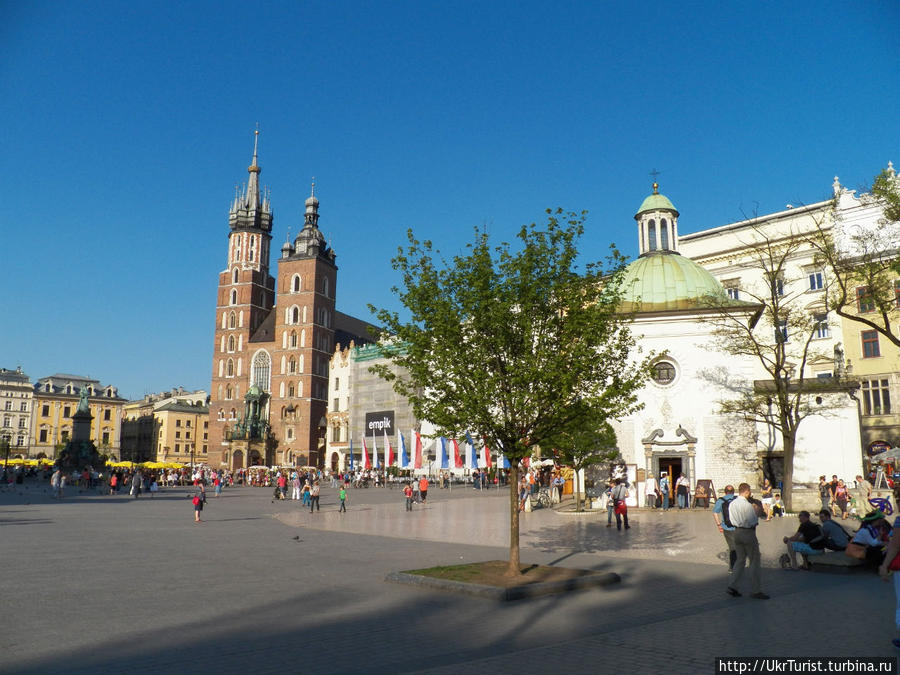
[273,338]
[676,304]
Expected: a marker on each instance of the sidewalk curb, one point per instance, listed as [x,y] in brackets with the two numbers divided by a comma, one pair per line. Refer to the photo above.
[504,594]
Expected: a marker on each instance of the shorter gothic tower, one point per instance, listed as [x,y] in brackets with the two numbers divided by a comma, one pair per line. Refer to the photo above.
[304,337]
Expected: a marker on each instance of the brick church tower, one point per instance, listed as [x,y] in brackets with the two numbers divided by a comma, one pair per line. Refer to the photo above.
[273,339]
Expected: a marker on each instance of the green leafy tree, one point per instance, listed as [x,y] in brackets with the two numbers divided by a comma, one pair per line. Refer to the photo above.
[515,344]
[592,442]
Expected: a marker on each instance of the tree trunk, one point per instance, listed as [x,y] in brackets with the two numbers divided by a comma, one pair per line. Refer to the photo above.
[514,568]
[578,482]
[787,490]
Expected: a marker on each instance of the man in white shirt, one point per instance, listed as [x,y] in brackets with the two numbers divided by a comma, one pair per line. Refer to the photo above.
[744,517]
[650,491]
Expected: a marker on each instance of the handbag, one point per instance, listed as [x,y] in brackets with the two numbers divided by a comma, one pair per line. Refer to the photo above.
[620,507]
[855,550]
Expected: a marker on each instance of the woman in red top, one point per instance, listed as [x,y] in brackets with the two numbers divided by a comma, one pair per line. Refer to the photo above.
[841,497]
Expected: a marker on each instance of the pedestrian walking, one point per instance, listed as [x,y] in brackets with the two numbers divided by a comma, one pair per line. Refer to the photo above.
[650,491]
[745,518]
[408,493]
[423,488]
[198,507]
[314,497]
[885,569]
[724,526]
[342,495]
[664,490]
[620,508]
[137,483]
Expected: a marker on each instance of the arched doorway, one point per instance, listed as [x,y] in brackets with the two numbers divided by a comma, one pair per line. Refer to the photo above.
[255,459]
[237,460]
[335,461]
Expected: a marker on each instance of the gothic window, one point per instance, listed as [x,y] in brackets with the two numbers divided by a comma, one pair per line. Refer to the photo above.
[325,287]
[252,252]
[231,320]
[293,340]
[229,368]
[228,393]
[231,343]
[221,414]
[292,365]
[295,315]
[663,235]
[651,235]
[233,297]
[262,366]
[291,390]
[295,284]
[234,276]
[303,337]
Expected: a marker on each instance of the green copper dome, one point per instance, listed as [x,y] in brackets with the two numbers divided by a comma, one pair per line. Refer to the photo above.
[656,202]
[664,281]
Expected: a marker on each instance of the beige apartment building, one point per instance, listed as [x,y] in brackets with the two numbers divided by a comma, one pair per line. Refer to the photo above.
[55,401]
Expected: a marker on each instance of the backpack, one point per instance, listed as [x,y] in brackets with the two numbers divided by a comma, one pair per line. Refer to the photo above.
[726,517]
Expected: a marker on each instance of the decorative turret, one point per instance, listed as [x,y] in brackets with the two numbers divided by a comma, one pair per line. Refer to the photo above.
[250,210]
[310,242]
[657,224]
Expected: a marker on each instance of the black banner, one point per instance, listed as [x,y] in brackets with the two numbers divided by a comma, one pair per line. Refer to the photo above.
[378,423]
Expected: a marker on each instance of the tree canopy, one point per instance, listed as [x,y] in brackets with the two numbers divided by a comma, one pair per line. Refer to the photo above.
[515,343]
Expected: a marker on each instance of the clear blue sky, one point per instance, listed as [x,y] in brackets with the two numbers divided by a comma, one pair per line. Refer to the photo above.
[126,125]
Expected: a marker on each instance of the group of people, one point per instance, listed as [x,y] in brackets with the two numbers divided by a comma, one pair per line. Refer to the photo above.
[658,493]
[835,494]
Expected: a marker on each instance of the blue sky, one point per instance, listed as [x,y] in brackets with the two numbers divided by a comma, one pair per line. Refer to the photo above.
[127,125]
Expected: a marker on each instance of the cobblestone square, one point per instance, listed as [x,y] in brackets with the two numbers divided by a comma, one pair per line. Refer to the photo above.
[107,584]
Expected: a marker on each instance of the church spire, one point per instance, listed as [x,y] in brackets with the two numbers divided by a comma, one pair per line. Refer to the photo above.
[251,209]
[253,182]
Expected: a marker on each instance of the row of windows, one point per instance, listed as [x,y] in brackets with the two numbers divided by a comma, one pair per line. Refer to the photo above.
[23,406]
[297,285]
[187,448]
[7,422]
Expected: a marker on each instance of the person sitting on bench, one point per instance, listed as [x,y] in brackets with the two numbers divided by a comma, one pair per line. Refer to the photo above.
[807,541]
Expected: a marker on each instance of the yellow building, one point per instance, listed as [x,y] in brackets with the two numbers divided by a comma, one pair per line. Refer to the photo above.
[182,432]
[55,401]
[875,362]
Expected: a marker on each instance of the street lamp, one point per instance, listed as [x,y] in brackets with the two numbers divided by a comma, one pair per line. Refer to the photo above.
[5,437]
[320,441]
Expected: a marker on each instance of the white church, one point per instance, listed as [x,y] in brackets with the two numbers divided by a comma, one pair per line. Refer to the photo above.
[680,429]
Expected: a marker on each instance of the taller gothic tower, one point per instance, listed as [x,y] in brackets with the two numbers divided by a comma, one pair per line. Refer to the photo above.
[245,297]
[273,339]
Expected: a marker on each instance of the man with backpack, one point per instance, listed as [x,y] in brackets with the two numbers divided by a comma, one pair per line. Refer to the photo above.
[836,537]
[723,522]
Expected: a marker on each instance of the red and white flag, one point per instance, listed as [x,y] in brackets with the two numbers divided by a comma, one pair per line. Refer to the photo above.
[417,461]
[457,459]
[366,463]
[388,451]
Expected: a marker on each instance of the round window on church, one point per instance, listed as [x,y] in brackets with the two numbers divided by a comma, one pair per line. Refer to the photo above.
[663,372]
